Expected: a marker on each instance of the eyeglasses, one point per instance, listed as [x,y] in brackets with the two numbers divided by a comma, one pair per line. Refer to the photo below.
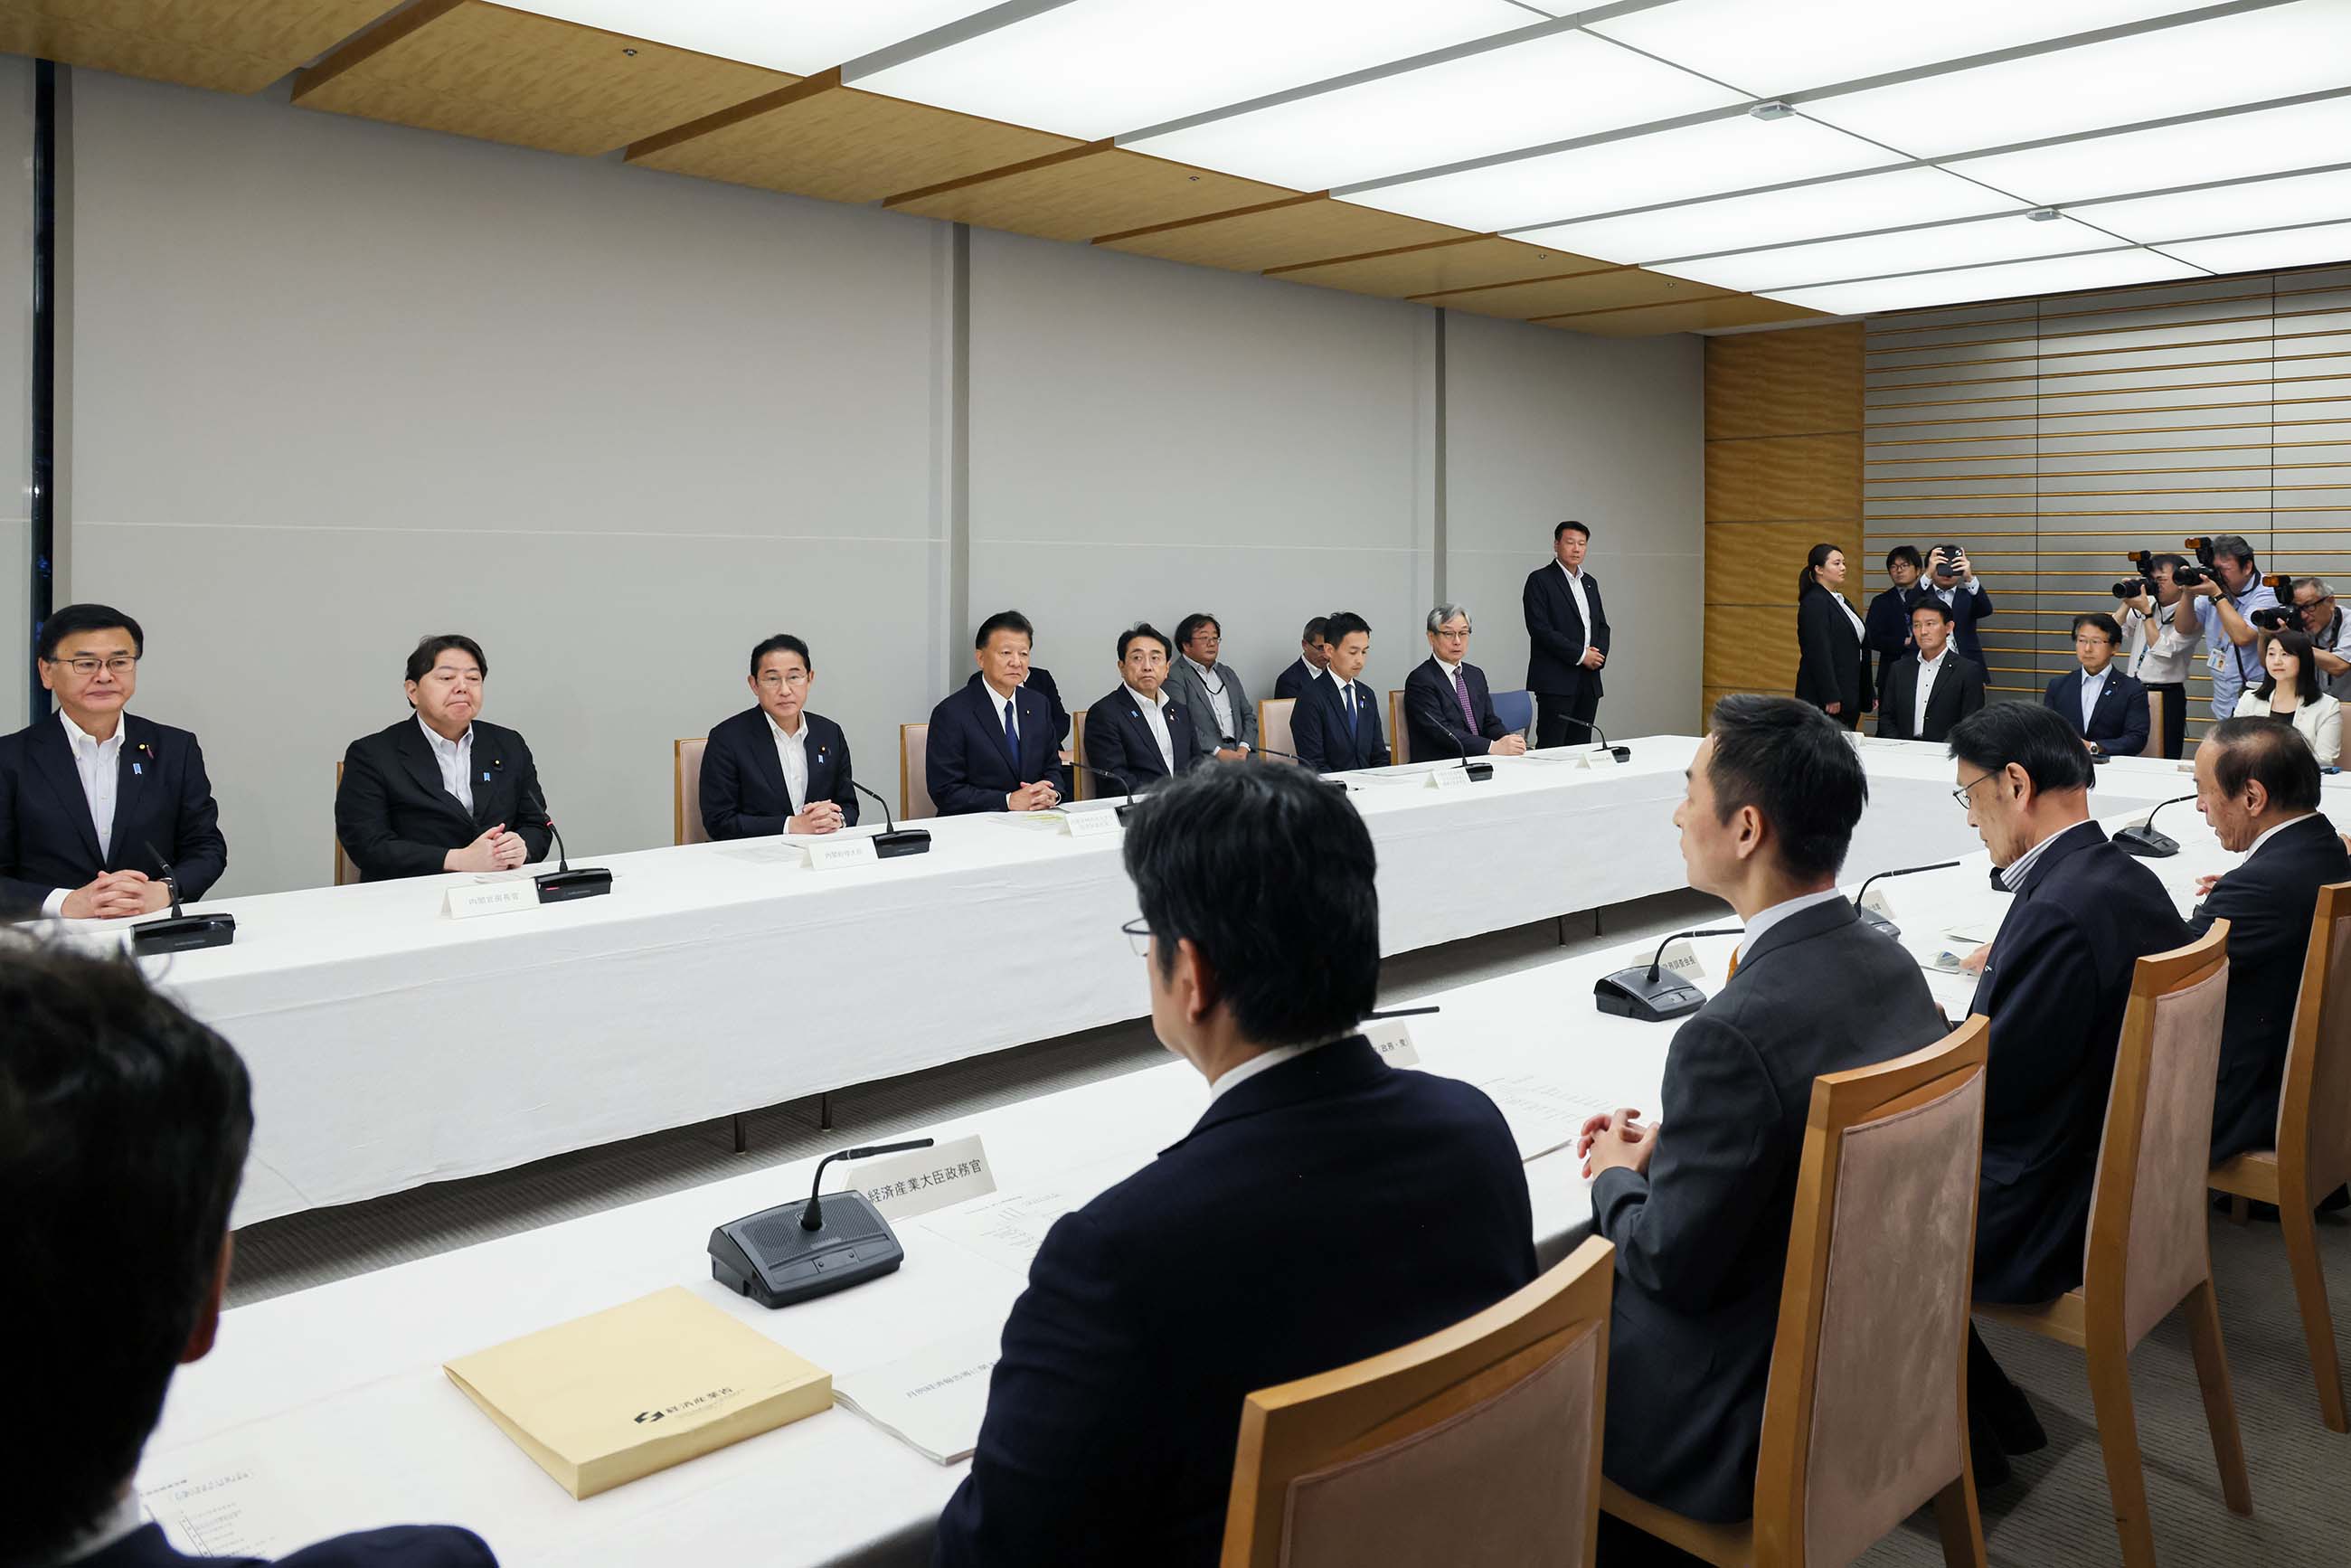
[87,665]
[771,680]
[1961,793]
[1138,937]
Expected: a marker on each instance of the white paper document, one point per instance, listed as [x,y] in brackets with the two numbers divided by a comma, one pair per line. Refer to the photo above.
[1543,1113]
[932,1400]
[1007,1228]
[241,1508]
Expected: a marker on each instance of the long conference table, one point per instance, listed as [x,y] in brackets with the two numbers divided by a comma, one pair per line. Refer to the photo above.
[392,1045]
[326,1410]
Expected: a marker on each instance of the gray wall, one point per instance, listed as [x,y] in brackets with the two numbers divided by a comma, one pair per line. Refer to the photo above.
[16,379]
[336,384]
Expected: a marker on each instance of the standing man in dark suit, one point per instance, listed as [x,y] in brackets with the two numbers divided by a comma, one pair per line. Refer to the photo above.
[993,746]
[1313,658]
[441,790]
[90,796]
[123,1130]
[1224,720]
[1324,1208]
[2054,986]
[1699,1202]
[1886,630]
[1447,708]
[1949,575]
[1567,640]
[2105,707]
[1139,734]
[2257,784]
[776,767]
[1336,724]
[1932,688]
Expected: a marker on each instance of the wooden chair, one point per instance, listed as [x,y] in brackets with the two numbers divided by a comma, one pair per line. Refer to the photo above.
[1478,1447]
[1866,1419]
[1273,725]
[2154,738]
[1078,783]
[2147,1248]
[686,792]
[347,870]
[2312,1156]
[913,779]
[1399,742]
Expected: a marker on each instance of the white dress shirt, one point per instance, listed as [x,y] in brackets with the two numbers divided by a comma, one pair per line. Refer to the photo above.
[1008,709]
[455,758]
[2268,833]
[1233,1078]
[1351,697]
[791,750]
[1860,633]
[1766,919]
[2011,876]
[99,763]
[1214,684]
[1154,709]
[1927,670]
[2093,688]
[1582,605]
[2161,649]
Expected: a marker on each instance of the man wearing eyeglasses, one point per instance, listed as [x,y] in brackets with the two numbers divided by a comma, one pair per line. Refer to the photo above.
[2323,619]
[91,797]
[776,768]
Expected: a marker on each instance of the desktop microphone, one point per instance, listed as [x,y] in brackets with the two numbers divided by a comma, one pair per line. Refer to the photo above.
[793,1252]
[1480,769]
[1376,1016]
[1621,753]
[2144,840]
[1277,751]
[1645,993]
[1125,787]
[179,932]
[893,840]
[564,884]
[1871,917]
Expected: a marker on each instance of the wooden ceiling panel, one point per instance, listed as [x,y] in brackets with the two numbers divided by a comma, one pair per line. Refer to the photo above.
[1431,268]
[1285,234]
[1616,285]
[476,69]
[822,138]
[1097,190]
[228,46]
[1684,316]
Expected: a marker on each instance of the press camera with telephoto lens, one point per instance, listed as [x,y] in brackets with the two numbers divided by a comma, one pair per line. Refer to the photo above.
[2143,585]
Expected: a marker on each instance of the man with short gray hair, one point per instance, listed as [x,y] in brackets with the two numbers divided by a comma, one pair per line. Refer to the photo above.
[2323,619]
[1448,709]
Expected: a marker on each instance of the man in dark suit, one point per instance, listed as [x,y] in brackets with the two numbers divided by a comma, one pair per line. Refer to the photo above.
[1138,734]
[1932,688]
[1567,640]
[1039,680]
[1948,575]
[2054,986]
[90,796]
[123,1130]
[2257,784]
[1336,724]
[1313,658]
[441,790]
[776,767]
[1887,628]
[1324,1208]
[1699,1203]
[2105,707]
[1448,709]
[994,746]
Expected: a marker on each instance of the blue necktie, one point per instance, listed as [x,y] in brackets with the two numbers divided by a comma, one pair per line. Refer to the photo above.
[1347,699]
[1011,739]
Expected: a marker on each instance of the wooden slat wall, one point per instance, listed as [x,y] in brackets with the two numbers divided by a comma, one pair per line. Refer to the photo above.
[1784,471]
[2053,436]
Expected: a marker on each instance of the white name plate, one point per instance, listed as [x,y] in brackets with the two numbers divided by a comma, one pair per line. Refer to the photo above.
[1391,1037]
[1450,778]
[469,899]
[1598,757]
[1877,902]
[832,852]
[1681,958]
[1100,824]
[923,1179]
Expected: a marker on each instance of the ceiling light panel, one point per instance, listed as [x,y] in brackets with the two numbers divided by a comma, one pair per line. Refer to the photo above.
[1729,154]
[1094,68]
[1777,217]
[802,36]
[1520,95]
[2227,209]
[2015,279]
[2248,57]
[2010,237]
[2313,247]
[1786,47]
[2226,147]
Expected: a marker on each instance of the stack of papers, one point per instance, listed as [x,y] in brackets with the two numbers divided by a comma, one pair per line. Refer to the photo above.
[932,1400]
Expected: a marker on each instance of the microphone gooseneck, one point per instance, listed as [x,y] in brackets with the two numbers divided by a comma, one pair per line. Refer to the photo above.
[170,881]
[1658,958]
[1863,892]
[889,823]
[812,1216]
[2160,805]
[562,858]
[1125,787]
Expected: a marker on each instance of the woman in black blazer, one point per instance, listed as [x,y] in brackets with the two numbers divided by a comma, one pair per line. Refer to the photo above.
[1832,668]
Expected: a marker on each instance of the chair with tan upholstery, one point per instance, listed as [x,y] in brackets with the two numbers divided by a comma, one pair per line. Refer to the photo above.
[1478,1447]
[1078,783]
[2312,1156]
[1399,742]
[1273,725]
[686,792]
[347,870]
[913,779]
[2148,1217]
[1866,1418]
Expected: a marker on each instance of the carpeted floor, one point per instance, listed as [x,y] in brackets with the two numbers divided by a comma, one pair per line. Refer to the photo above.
[2054,1514]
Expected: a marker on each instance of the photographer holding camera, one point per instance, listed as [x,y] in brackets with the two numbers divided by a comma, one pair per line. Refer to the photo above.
[2163,631]
[1951,577]
[2322,620]
[2225,601]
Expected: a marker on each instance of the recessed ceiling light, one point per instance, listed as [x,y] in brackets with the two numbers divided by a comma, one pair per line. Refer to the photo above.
[2011,236]
[2006,281]
[1840,206]
[2226,209]
[2222,147]
[2314,245]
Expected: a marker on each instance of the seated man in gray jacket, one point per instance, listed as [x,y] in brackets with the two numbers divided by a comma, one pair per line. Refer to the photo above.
[1224,720]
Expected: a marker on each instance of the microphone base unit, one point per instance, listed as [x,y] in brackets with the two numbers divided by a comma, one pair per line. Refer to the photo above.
[1647,996]
[182,934]
[901,841]
[1481,771]
[1876,921]
[769,1257]
[561,886]
[2147,843]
